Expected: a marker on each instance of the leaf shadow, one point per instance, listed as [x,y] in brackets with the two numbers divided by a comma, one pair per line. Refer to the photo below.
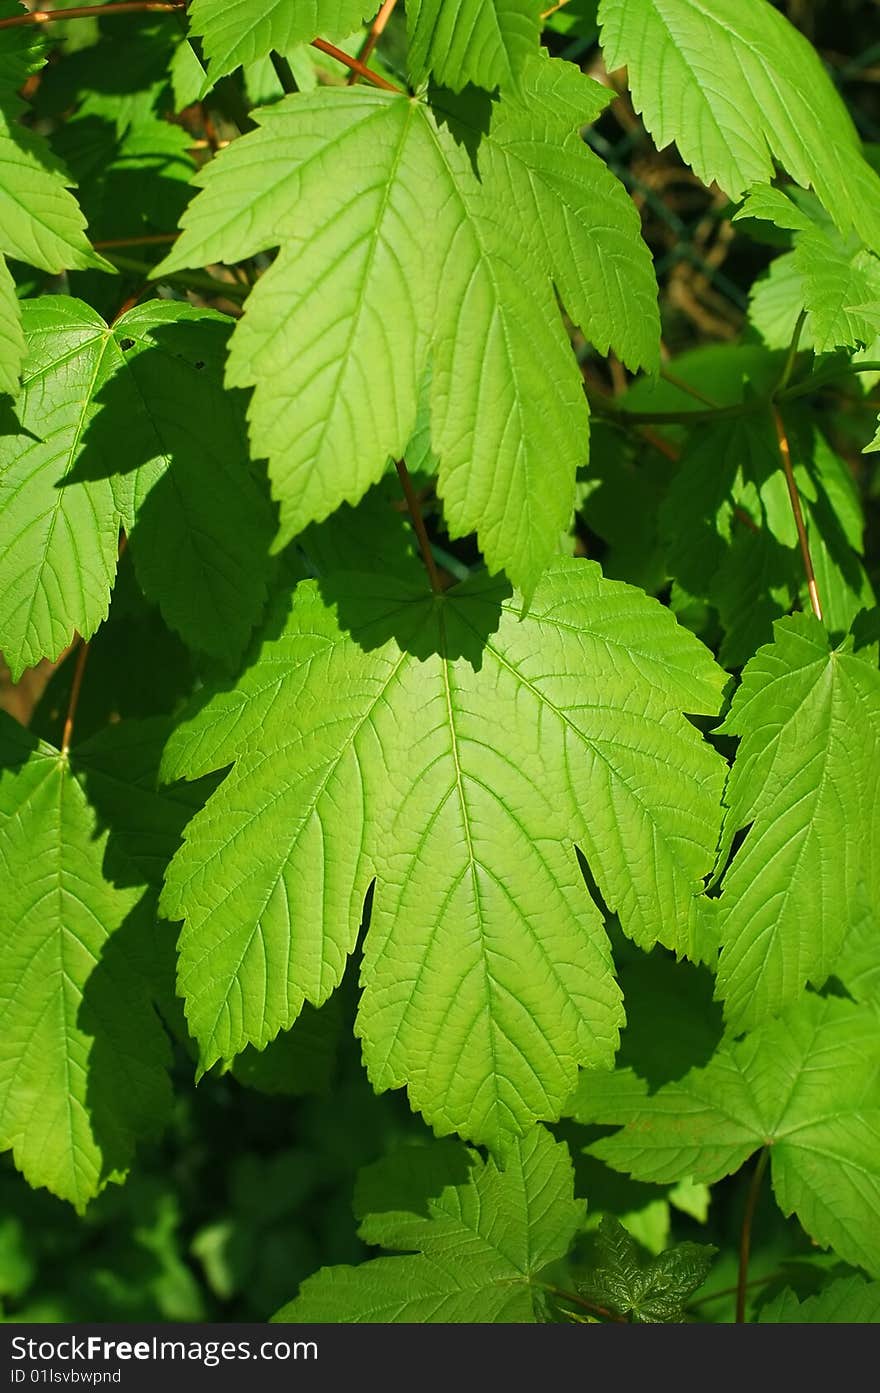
[454,625]
[467,115]
[201,523]
[128,1091]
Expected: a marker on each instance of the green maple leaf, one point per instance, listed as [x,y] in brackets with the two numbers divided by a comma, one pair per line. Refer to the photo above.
[58,567]
[805,779]
[447,251]
[40,223]
[241,31]
[807,1085]
[651,1292]
[199,526]
[453,751]
[847,1301]
[837,279]
[737,87]
[82,1053]
[476,1250]
[486,42]
[12,344]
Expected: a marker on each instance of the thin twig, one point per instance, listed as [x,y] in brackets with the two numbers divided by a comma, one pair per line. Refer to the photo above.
[169,6]
[90,12]
[355,65]
[603,407]
[785,455]
[825,375]
[418,523]
[377,29]
[791,356]
[82,659]
[745,1237]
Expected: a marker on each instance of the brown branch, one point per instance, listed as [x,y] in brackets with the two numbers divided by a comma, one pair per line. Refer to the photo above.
[785,455]
[745,1237]
[82,659]
[355,65]
[418,523]
[90,12]
[377,29]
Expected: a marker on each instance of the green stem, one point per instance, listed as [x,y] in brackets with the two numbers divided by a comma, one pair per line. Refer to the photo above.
[825,375]
[602,407]
[791,357]
[745,1237]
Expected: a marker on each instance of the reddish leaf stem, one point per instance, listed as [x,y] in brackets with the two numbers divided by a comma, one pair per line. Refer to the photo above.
[81,660]
[377,28]
[785,455]
[169,6]
[90,12]
[745,1236]
[418,523]
[355,65]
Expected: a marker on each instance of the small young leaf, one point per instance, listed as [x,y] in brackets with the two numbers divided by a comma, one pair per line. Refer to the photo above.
[839,281]
[650,1293]
[480,1248]
[736,86]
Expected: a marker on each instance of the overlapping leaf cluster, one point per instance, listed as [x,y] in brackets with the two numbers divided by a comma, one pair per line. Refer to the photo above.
[307,748]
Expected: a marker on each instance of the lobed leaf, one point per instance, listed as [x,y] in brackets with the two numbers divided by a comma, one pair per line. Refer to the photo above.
[479,1247]
[837,280]
[82,1054]
[12,344]
[486,42]
[199,526]
[805,775]
[737,87]
[849,1300]
[807,1085]
[58,566]
[410,234]
[241,31]
[453,751]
